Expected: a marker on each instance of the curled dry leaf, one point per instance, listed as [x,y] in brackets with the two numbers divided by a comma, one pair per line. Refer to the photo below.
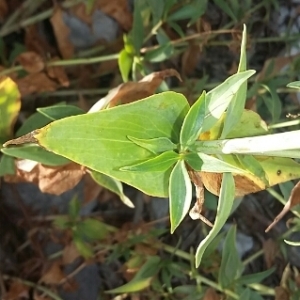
[293,200]
[52,180]
[62,32]
[53,275]
[31,62]
[132,91]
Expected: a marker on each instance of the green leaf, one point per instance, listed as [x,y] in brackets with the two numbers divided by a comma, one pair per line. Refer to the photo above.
[294,85]
[83,248]
[156,145]
[163,52]
[192,124]
[220,97]
[56,112]
[33,122]
[113,185]
[99,140]
[157,9]
[236,106]
[225,205]
[224,5]
[208,163]
[125,61]
[91,229]
[231,265]
[62,222]
[74,208]
[160,163]
[273,103]
[256,277]
[142,279]
[7,165]
[180,194]
[137,31]
[36,153]
[9,108]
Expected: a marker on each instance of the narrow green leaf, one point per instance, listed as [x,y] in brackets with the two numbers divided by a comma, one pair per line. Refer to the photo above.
[36,153]
[208,163]
[156,145]
[137,31]
[294,85]
[99,140]
[56,112]
[273,103]
[220,97]
[83,248]
[74,208]
[157,9]
[225,205]
[113,185]
[180,194]
[125,61]
[160,163]
[192,124]
[142,279]
[9,108]
[256,277]
[224,5]
[237,105]
[163,52]
[91,229]
[231,265]
[62,222]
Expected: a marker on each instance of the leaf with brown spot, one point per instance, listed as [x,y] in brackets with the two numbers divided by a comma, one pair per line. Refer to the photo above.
[293,200]
[36,83]
[53,275]
[52,180]
[132,91]
[31,62]
[62,33]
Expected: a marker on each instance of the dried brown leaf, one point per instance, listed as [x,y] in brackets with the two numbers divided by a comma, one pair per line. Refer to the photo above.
[293,200]
[270,252]
[132,91]
[281,293]
[3,10]
[53,275]
[31,61]
[62,33]
[58,74]
[70,253]
[211,294]
[91,189]
[190,58]
[17,290]
[35,83]
[52,180]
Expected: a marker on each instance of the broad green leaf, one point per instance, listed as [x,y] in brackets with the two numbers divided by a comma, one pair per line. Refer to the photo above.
[36,153]
[220,97]
[33,122]
[160,163]
[193,122]
[294,85]
[125,61]
[180,194]
[225,205]
[7,165]
[231,265]
[236,106]
[113,185]
[208,163]
[56,112]
[156,145]
[142,279]
[9,108]
[99,140]
[91,229]
[256,277]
